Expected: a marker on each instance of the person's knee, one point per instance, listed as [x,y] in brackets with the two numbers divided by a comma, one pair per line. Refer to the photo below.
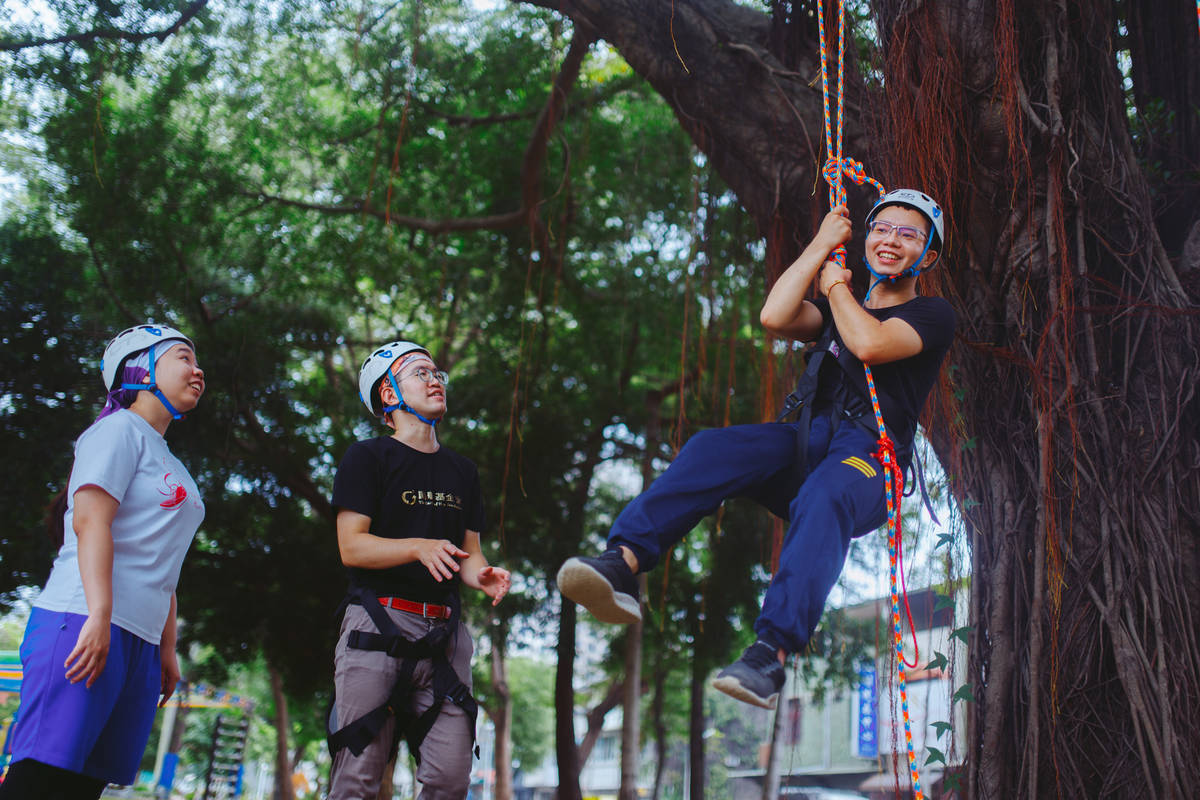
[704,440]
[445,770]
[445,784]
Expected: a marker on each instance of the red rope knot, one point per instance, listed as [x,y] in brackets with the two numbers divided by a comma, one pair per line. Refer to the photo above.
[887,458]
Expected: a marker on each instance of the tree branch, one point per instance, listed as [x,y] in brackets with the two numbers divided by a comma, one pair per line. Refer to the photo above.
[509,219]
[532,166]
[110,33]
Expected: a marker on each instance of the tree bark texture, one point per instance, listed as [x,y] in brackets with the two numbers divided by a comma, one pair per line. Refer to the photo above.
[750,104]
[631,720]
[284,789]
[565,750]
[1067,417]
[502,713]
[697,766]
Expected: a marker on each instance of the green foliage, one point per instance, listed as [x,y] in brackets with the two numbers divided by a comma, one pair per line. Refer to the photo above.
[837,648]
[939,661]
[272,180]
[964,692]
[531,684]
[47,332]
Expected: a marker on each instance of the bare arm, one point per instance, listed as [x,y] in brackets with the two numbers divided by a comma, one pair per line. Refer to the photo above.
[94,513]
[166,651]
[786,313]
[476,573]
[872,341]
[361,548]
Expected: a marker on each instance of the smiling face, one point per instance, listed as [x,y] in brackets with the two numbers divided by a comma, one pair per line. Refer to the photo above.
[893,253]
[178,375]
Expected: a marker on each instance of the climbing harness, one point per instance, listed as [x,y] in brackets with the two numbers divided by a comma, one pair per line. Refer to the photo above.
[447,687]
[835,167]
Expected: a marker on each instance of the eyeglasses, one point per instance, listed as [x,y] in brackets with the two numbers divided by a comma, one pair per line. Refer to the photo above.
[425,374]
[883,229]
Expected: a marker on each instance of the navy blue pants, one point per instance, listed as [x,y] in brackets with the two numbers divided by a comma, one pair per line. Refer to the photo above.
[842,496]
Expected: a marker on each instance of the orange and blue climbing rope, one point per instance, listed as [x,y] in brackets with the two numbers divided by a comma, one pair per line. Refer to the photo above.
[836,166]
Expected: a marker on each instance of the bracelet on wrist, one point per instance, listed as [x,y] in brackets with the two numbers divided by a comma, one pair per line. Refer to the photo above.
[835,283]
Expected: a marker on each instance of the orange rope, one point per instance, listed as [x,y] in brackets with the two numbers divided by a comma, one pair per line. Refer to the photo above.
[835,167]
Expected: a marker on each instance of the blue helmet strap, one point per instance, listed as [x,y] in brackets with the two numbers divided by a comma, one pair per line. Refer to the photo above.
[403,406]
[152,386]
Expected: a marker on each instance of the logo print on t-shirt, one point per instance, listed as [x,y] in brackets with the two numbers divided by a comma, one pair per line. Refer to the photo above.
[174,492]
[422,497]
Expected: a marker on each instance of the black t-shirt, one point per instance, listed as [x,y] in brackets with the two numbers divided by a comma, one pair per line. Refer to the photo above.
[409,494]
[902,385]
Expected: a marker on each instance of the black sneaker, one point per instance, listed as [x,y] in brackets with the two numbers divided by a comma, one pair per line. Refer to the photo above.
[754,678]
[605,586]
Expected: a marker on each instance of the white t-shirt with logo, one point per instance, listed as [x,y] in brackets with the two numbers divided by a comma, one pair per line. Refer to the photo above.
[159,512]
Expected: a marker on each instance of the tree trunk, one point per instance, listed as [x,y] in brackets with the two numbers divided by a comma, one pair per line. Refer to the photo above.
[570,760]
[595,719]
[752,112]
[631,722]
[502,713]
[387,781]
[1067,415]
[771,773]
[284,789]
[657,717]
[1075,396]
[696,724]
[564,706]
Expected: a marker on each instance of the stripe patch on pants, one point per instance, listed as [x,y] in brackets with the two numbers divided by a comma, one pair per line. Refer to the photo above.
[862,466]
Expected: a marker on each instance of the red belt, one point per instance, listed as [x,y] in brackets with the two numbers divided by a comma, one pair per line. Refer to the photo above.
[428,610]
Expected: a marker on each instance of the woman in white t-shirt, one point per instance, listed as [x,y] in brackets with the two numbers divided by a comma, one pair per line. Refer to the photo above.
[99,648]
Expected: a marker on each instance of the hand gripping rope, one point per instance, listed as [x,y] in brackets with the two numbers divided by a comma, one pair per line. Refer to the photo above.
[835,167]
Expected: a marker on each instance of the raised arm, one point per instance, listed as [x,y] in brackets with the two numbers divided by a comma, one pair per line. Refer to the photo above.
[786,313]
[872,341]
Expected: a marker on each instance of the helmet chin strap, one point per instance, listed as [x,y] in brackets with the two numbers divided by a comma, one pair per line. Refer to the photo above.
[403,406]
[152,386]
[910,272]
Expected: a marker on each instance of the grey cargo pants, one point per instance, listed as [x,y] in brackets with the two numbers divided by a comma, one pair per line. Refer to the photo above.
[362,681]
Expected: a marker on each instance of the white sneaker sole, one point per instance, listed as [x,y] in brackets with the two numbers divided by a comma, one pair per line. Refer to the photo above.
[734,688]
[584,585]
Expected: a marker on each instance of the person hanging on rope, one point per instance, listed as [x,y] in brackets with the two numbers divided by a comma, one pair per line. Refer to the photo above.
[819,471]
[99,648]
[409,513]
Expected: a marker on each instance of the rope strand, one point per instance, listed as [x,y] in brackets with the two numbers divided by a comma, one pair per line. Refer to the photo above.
[837,166]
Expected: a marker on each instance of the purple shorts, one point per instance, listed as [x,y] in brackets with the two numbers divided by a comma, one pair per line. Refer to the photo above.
[100,732]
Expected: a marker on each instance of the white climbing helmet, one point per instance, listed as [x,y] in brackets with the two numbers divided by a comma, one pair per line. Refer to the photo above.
[377,365]
[133,340]
[918,201]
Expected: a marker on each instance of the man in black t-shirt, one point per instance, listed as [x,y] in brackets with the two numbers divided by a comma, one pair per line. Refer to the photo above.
[819,472]
[409,514]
